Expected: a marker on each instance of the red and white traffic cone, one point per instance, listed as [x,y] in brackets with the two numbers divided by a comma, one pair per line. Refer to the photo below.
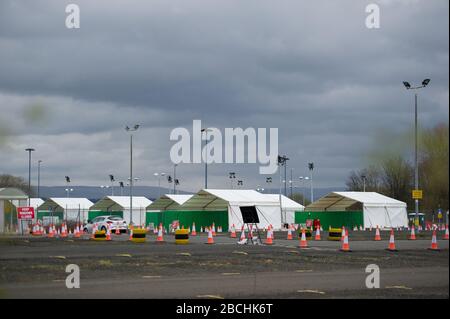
[194,231]
[289,234]
[391,246]
[108,233]
[317,237]
[303,242]
[345,244]
[343,233]
[413,233]
[51,234]
[210,237]
[269,240]
[213,229]
[446,232]
[233,232]
[434,244]
[377,234]
[160,238]
[63,230]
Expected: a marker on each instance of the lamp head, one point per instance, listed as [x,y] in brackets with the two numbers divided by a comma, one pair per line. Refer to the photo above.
[407,85]
[425,82]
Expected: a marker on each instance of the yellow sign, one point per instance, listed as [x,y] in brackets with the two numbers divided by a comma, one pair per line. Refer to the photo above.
[417,194]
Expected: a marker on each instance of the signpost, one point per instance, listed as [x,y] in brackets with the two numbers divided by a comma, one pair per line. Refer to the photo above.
[24,213]
[417,194]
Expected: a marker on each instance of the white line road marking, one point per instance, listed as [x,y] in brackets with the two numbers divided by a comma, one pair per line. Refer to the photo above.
[311,291]
[210,297]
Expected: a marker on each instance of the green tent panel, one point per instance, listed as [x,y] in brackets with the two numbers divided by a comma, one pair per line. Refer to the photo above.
[187,218]
[46,213]
[348,219]
[94,213]
[153,217]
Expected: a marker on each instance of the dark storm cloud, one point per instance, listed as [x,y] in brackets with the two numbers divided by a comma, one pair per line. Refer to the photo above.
[310,68]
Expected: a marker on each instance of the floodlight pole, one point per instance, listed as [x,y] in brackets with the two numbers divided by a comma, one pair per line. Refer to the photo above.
[128,129]
[416,160]
[29,150]
[39,178]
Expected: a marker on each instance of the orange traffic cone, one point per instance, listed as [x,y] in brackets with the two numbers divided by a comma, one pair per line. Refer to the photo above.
[51,234]
[213,229]
[131,234]
[210,237]
[446,232]
[160,238]
[303,242]
[242,234]
[377,234]
[233,232]
[345,245]
[434,245]
[317,237]
[117,232]
[194,231]
[289,234]
[81,230]
[77,232]
[63,230]
[391,246]
[413,233]
[343,233]
[108,233]
[269,240]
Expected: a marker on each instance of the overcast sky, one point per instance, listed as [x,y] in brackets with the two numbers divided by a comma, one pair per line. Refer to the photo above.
[310,68]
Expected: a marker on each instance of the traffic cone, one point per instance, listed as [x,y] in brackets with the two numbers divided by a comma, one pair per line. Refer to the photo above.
[210,237]
[345,245]
[269,240]
[213,230]
[77,232]
[233,232]
[131,234]
[377,234]
[391,246]
[289,234]
[160,238]
[194,231]
[63,230]
[413,233]
[242,234]
[117,232]
[108,233]
[446,232]
[434,245]
[51,234]
[317,237]
[303,242]
[343,233]
[81,229]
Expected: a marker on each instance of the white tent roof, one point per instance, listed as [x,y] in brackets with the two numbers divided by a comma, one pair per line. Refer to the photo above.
[286,202]
[168,201]
[216,199]
[114,203]
[36,202]
[338,201]
[10,193]
[61,203]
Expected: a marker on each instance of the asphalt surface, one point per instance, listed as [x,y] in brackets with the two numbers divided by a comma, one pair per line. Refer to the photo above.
[35,268]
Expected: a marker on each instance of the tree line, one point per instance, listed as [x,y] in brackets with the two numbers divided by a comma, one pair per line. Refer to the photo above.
[392,173]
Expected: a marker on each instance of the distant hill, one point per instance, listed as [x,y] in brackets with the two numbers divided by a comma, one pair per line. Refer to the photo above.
[151,192]
[95,193]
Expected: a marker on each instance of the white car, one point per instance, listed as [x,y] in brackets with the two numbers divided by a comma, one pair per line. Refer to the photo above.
[115,222]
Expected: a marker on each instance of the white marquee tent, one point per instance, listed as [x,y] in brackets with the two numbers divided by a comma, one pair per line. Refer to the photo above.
[289,207]
[122,204]
[268,207]
[65,208]
[378,210]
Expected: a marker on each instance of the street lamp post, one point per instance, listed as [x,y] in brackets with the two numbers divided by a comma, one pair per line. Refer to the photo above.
[29,150]
[39,178]
[159,175]
[303,178]
[232,176]
[175,178]
[416,164]
[111,178]
[311,168]
[268,181]
[206,130]
[68,190]
[131,130]
[364,182]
